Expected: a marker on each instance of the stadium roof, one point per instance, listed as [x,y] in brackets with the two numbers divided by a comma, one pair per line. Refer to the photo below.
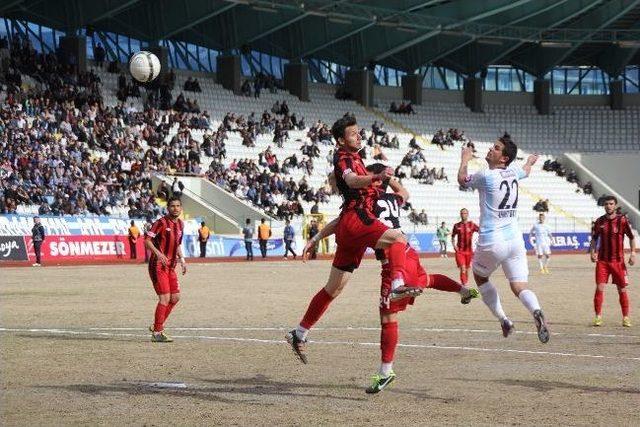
[464,35]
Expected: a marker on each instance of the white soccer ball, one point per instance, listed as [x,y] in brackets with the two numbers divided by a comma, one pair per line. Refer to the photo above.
[144,66]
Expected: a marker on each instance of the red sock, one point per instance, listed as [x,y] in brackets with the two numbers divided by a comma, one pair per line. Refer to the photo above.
[444,283]
[464,277]
[624,303]
[397,254]
[161,311]
[598,298]
[388,341]
[168,311]
[318,305]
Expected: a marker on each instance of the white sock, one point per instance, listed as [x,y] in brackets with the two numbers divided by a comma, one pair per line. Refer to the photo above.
[529,300]
[385,369]
[546,261]
[301,333]
[541,262]
[492,300]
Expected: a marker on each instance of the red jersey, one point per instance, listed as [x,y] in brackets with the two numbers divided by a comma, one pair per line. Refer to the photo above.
[464,231]
[167,237]
[362,200]
[610,234]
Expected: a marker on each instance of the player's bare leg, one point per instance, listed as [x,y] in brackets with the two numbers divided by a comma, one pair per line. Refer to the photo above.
[491,298]
[297,338]
[157,330]
[388,344]
[530,301]
[598,299]
[623,297]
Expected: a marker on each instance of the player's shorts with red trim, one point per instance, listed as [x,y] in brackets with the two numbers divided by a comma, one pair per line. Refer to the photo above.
[616,269]
[355,232]
[164,279]
[416,276]
[463,259]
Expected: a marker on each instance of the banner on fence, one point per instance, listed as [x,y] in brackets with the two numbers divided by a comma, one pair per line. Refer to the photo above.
[21,225]
[564,241]
[85,248]
[223,246]
[12,248]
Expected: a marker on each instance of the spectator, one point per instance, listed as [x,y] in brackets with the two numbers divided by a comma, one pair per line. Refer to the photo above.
[37,236]
[289,235]
[423,218]
[247,233]
[134,233]
[264,233]
[203,237]
[99,54]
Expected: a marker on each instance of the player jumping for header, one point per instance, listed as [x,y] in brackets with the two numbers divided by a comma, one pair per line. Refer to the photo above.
[500,242]
[357,229]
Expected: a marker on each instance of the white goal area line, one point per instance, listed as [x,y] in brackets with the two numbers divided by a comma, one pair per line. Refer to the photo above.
[58,331]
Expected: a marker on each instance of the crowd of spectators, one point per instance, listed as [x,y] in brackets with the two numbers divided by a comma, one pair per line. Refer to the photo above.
[63,150]
[440,138]
[570,175]
[260,81]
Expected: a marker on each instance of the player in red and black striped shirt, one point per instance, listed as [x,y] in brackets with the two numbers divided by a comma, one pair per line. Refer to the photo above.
[164,240]
[464,250]
[608,235]
[358,229]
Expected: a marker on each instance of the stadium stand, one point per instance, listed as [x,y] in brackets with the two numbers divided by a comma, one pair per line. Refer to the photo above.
[113,148]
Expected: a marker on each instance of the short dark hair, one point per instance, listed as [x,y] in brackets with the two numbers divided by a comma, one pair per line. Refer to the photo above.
[248,221]
[133,222]
[262,220]
[376,168]
[609,197]
[510,149]
[337,130]
[173,199]
[202,223]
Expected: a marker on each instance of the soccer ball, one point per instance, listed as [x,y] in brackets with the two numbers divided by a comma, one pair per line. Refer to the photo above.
[144,66]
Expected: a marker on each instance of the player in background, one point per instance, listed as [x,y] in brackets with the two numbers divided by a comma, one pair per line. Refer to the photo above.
[464,230]
[357,229]
[500,241]
[164,240]
[442,233]
[608,235]
[387,209]
[540,238]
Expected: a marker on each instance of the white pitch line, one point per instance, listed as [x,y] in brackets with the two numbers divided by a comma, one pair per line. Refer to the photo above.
[349,343]
[361,328]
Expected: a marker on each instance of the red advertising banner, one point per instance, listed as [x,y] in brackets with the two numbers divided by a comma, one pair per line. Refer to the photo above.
[85,248]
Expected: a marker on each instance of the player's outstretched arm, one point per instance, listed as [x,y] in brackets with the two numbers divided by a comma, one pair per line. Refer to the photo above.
[465,158]
[632,257]
[531,160]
